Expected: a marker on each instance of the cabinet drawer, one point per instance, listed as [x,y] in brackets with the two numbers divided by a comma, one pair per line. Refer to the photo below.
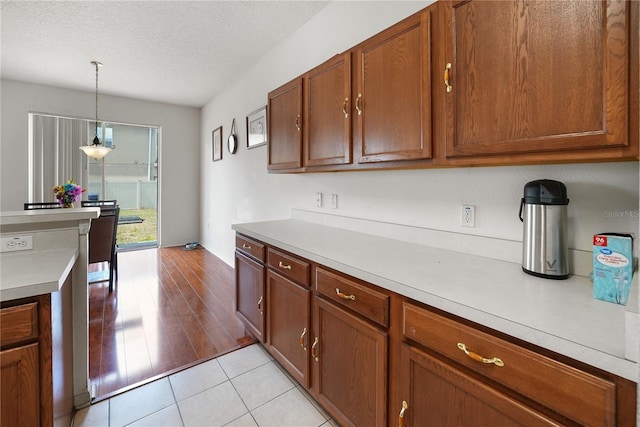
[250,247]
[19,324]
[289,266]
[583,397]
[371,304]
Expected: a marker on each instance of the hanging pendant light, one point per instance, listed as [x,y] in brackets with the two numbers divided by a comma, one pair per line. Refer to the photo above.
[96,150]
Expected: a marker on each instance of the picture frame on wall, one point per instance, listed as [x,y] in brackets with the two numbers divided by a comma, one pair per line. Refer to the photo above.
[257,128]
[216,143]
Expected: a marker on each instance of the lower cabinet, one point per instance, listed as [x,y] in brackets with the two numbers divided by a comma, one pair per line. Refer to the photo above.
[20,395]
[371,357]
[440,394]
[469,373]
[288,325]
[250,289]
[250,295]
[350,366]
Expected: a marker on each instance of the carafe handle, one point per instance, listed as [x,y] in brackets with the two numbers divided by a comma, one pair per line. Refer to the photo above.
[521,205]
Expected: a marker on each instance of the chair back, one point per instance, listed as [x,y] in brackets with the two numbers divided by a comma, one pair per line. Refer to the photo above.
[102,235]
[42,205]
[98,203]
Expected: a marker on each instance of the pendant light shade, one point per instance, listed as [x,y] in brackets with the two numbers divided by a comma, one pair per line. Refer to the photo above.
[96,150]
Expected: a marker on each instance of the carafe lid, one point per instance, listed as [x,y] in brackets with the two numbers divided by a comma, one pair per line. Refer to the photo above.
[545,192]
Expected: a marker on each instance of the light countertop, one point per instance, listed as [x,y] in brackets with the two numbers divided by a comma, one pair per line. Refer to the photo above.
[30,273]
[559,315]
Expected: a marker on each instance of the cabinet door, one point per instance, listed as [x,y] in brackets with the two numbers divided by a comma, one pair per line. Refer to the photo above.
[536,77]
[392,119]
[250,294]
[288,325]
[285,126]
[19,386]
[350,372]
[439,394]
[327,113]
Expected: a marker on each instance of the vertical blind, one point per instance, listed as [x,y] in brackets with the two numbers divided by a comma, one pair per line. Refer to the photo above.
[54,155]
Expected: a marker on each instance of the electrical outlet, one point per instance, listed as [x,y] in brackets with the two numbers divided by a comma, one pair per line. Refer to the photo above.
[334,201]
[468,216]
[318,200]
[18,243]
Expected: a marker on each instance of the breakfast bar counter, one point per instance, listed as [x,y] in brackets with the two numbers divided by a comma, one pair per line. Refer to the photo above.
[43,288]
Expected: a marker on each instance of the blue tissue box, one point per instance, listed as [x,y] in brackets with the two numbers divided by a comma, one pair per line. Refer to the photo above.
[612,267]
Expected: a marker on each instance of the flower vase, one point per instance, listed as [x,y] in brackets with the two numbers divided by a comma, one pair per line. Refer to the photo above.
[67,205]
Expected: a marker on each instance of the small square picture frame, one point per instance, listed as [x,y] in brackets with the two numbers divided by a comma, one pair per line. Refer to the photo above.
[216,144]
[257,128]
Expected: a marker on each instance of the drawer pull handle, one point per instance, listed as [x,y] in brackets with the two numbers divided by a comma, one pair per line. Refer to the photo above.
[285,266]
[298,122]
[260,305]
[313,350]
[245,246]
[344,296]
[477,357]
[448,87]
[402,411]
[358,109]
[304,334]
[344,108]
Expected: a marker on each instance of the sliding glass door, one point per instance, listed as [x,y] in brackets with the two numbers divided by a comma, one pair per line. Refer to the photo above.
[129,174]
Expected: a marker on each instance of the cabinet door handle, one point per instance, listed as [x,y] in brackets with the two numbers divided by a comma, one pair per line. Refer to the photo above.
[245,246]
[260,305]
[358,109]
[298,122]
[285,266]
[345,111]
[304,334]
[344,296]
[313,350]
[402,411]
[478,358]
[447,69]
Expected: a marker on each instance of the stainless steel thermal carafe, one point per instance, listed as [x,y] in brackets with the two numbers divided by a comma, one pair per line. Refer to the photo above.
[543,211]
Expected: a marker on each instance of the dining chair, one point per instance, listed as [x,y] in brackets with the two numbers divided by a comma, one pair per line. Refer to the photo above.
[102,240]
[42,205]
[98,203]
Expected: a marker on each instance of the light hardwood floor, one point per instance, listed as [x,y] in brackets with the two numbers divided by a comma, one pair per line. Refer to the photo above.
[170,309]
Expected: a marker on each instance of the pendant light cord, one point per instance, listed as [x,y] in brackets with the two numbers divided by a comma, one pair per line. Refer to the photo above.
[96,140]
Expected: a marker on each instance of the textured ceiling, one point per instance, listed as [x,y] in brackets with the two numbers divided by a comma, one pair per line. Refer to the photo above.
[180,52]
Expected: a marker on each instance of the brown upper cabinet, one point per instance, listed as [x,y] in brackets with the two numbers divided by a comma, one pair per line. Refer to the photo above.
[327,126]
[285,126]
[465,83]
[392,93]
[540,80]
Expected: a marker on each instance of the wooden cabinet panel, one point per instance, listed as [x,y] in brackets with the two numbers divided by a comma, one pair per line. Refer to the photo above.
[250,247]
[285,126]
[362,299]
[250,294]
[288,325]
[20,391]
[439,394]
[350,373]
[575,394]
[289,266]
[538,77]
[327,127]
[392,93]
[19,324]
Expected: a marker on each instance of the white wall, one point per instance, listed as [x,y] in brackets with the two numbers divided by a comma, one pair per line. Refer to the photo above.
[179,144]
[603,197]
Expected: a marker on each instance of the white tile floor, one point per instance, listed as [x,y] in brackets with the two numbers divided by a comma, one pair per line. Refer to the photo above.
[243,388]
